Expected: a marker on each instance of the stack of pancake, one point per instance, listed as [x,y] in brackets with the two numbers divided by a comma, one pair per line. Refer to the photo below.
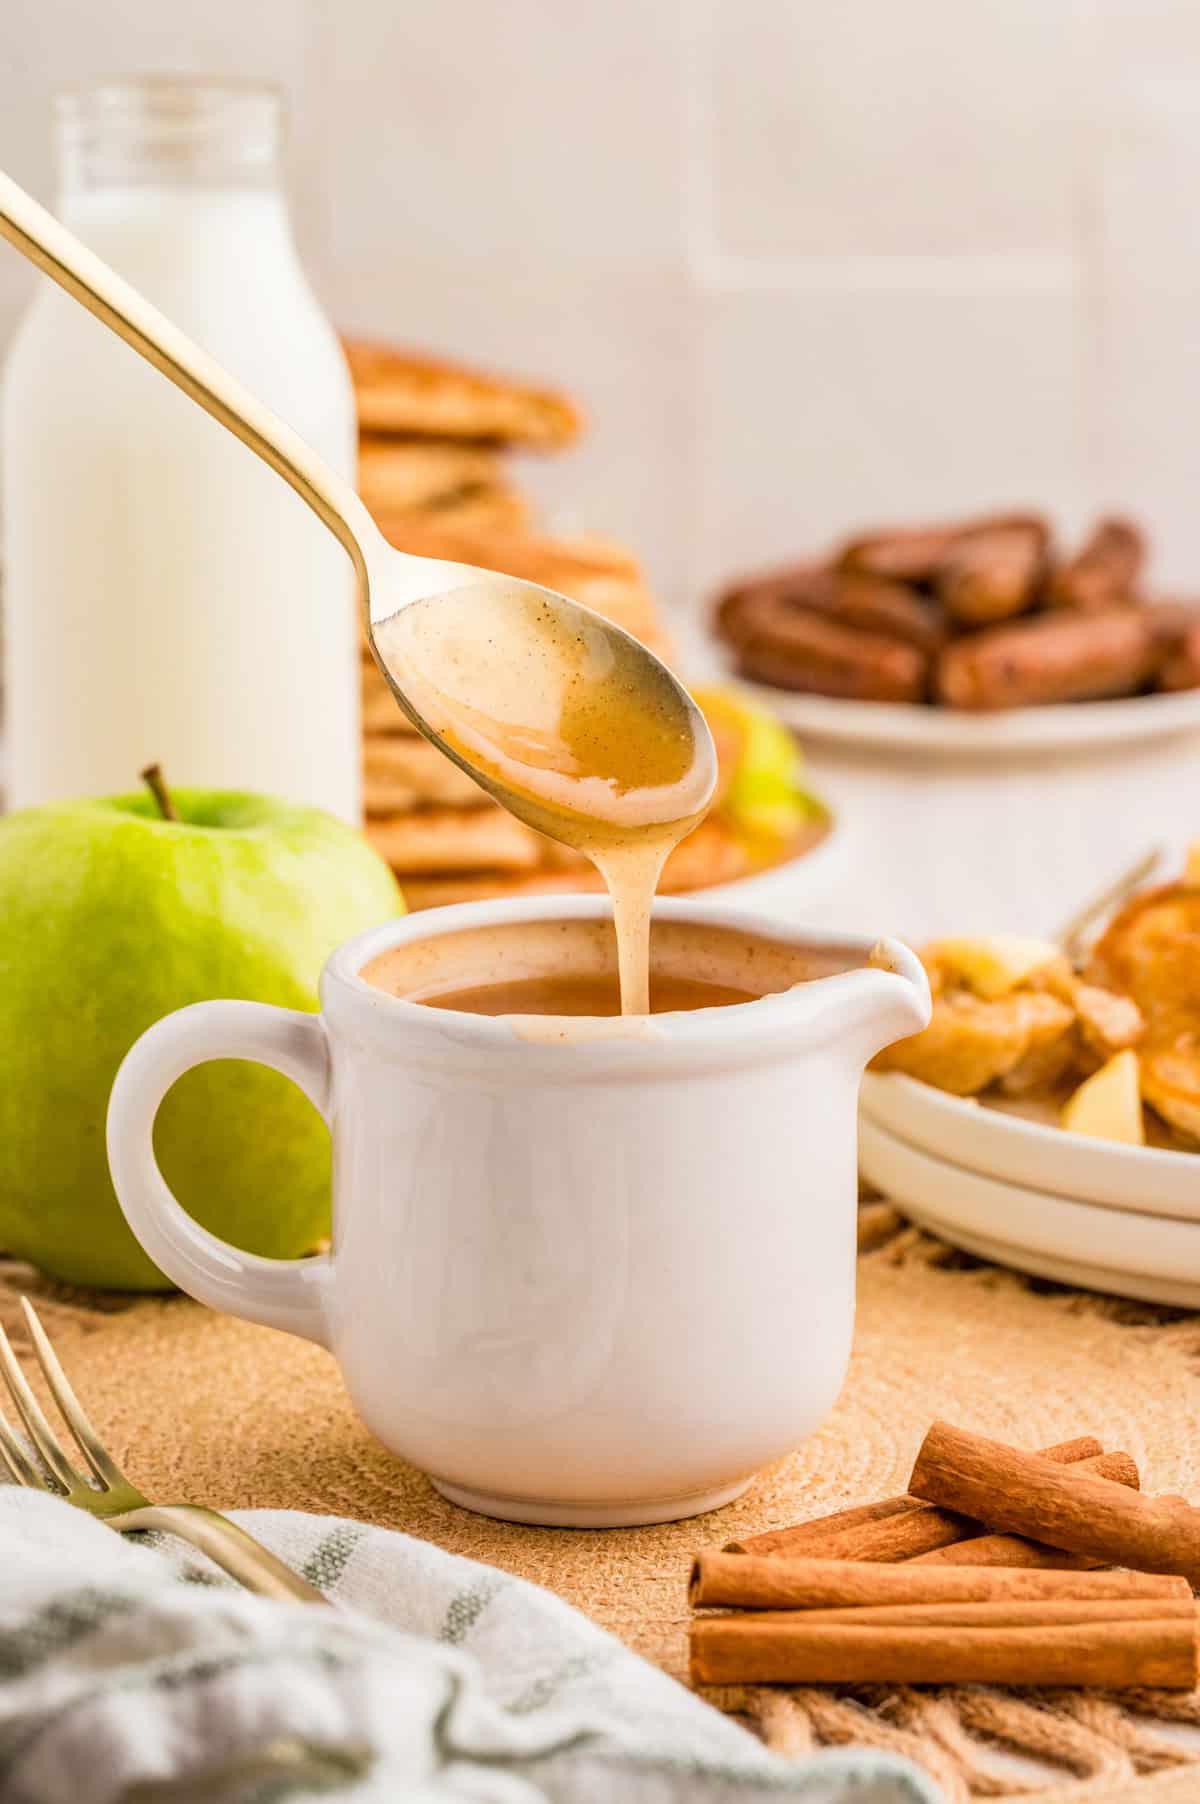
[432,437]
[431,469]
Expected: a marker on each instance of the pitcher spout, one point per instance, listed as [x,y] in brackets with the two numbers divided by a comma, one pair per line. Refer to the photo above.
[887,999]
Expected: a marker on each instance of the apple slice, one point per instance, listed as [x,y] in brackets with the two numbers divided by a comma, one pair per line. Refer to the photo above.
[1108,1105]
[992,964]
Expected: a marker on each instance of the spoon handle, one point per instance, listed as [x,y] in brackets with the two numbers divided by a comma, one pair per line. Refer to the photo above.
[67,261]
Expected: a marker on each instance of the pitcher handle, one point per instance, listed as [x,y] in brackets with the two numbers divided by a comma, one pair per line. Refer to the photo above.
[280,1293]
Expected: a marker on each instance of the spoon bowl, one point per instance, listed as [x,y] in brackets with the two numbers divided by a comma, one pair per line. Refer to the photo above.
[563,717]
[470,656]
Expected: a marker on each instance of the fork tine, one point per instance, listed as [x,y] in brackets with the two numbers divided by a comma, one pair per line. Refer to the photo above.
[18,1462]
[104,1468]
[30,1412]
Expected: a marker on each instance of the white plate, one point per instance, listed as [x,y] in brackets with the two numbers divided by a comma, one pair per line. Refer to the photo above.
[902,726]
[970,1134]
[1114,1250]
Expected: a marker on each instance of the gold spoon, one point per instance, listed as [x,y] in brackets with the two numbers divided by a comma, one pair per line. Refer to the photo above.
[525,690]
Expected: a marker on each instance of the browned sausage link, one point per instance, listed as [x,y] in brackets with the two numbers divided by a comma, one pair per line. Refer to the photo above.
[800,650]
[902,554]
[1182,667]
[1104,572]
[994,570]
[1054,658]
[739,608]
[891,609]
[863,601]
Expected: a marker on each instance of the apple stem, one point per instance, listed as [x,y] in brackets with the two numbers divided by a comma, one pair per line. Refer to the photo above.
[156,783]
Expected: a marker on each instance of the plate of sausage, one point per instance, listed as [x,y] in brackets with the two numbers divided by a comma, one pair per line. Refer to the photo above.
[979,637]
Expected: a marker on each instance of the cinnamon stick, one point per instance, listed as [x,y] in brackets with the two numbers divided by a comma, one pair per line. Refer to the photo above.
[812,1538]
[1005,1550]
[1026,1494]
[768,1582]
[1114,1652]
[901,1528]
[992,1613]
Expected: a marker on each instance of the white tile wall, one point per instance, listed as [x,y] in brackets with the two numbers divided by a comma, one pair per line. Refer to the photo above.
[539,133]
[1146,34]
[864,127]
[806,264]
[824,406]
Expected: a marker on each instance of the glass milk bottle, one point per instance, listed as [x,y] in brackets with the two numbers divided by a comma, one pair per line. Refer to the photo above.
[168,599]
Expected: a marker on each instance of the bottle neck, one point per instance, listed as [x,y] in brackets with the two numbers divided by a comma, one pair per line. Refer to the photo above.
[167,134]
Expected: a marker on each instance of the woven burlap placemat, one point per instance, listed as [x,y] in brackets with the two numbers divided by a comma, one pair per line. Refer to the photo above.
[198,1406]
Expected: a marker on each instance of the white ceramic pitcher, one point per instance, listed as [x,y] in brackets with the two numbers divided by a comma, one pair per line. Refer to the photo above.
[589,1283]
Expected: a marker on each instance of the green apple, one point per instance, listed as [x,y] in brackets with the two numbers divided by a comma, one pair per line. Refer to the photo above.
[110,917]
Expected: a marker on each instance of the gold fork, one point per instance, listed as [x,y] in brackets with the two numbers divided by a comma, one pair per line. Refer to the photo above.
[112,1498]
[1073,937]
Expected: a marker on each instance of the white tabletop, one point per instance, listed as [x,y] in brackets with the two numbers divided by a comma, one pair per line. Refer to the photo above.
[947,845]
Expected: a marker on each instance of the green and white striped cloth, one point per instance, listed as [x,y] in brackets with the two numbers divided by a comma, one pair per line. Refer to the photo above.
[436,1681]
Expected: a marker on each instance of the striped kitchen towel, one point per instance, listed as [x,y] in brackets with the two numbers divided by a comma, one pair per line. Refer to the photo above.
[435,1681]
